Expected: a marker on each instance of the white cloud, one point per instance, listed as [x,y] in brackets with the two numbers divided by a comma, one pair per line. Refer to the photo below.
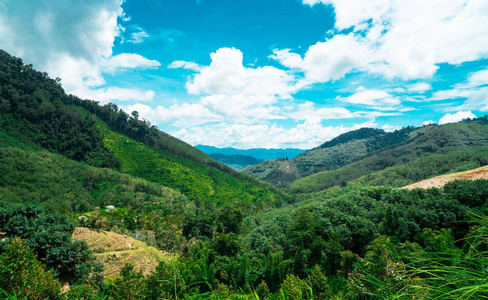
[390,128]
[180,64]
[231,91]
[420,87]
[70,40]
[409,39]
[459,116]
[226,75]
[308,111]
[428,123]
[306,135]
[329,60]
[138,37]
[377,99]
[127,61]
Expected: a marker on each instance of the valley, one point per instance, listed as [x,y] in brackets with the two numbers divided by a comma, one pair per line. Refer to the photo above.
[369,214]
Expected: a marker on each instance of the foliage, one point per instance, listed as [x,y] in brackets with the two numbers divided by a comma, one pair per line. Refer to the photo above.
[49,235]
[23,275]
[369,157]
[32,107]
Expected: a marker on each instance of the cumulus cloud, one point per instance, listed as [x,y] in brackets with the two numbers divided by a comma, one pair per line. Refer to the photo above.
[306,135]
[329,60]
[420,87]
[128,61]
[229,90]
[227,75]
[70,40]
[377,99]
[407,39]
[459,116]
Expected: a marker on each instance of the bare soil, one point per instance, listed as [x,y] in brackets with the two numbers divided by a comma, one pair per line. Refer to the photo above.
[440,181]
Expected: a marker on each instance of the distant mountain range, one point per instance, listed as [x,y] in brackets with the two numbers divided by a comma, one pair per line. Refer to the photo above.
[239,159]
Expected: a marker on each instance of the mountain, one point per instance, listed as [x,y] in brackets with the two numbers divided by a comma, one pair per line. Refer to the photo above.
[238,162]
[261,154]
[329,156]
[35,111]
[363,152]
[429,151]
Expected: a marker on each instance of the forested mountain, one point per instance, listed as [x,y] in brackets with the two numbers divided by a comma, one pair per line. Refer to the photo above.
[363,151]
[432,150]
[341,234]
[35,109]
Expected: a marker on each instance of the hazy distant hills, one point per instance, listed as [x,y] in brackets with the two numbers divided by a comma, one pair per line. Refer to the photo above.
[240,159]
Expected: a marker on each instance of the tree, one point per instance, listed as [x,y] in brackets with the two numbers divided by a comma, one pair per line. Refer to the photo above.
[23,274]
[230,219]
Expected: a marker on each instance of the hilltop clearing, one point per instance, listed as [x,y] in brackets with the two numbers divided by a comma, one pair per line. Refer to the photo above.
[115,250]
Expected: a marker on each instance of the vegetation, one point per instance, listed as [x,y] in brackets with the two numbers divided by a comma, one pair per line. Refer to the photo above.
[230,237]
[397,158]
[331,155]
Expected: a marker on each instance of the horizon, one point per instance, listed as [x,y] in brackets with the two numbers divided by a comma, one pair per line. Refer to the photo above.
[257,74]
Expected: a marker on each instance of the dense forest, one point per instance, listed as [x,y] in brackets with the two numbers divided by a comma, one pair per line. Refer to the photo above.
[348,233]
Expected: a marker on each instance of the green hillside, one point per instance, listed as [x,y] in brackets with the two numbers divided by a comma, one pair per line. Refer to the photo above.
[432,151]
[35,109]
[329,156]
[192,178]
[64,160]
[31,174]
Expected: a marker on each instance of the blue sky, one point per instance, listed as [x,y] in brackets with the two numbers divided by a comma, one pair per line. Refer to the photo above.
[262,73]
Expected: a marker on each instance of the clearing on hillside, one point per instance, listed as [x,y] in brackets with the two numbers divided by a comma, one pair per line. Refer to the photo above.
[440,181]
[115,250]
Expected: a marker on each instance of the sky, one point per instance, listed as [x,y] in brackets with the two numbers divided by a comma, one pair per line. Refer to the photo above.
[262,73]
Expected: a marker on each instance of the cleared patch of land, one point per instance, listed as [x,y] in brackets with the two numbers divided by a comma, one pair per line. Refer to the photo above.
[440,181]
[115,250]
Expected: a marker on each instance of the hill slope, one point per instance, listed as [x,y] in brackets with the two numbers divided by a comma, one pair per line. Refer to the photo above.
[115,250]
[34,109]
[431,151]
[329,156]
[440,181]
